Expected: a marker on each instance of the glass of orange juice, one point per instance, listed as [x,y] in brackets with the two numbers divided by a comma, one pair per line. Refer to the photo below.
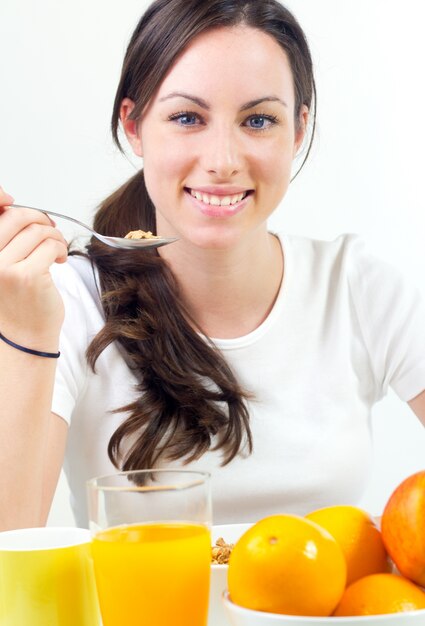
[151,546]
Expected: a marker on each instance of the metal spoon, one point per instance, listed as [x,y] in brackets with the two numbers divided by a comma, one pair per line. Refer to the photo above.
[114,242]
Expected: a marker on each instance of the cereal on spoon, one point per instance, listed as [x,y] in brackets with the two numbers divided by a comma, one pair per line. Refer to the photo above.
[141,234]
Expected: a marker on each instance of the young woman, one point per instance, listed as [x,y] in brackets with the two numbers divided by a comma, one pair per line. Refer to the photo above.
[251,354]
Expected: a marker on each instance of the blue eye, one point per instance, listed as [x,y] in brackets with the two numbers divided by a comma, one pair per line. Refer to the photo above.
[260,122]
[185,118]
[257,122]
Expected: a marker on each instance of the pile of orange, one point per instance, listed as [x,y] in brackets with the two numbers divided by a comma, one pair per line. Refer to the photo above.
[331,562]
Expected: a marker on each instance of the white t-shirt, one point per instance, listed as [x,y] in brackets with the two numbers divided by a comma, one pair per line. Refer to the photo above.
[343,328]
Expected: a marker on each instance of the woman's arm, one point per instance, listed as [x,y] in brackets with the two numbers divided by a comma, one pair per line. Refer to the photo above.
[31,314]
[418,406]
[32,439]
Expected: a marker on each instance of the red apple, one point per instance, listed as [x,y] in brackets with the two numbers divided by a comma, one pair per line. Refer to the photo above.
[403,527]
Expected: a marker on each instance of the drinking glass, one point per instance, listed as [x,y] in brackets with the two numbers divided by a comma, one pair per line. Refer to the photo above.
[151,546]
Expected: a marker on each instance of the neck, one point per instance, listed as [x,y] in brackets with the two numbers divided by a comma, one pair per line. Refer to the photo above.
[228,292]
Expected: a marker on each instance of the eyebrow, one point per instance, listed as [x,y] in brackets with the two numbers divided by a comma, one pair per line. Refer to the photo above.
[253,103]
[204,105]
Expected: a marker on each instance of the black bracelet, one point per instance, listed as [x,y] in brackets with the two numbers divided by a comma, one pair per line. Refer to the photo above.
[48,355]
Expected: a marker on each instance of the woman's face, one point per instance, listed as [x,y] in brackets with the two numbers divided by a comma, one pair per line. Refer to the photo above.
[218,138]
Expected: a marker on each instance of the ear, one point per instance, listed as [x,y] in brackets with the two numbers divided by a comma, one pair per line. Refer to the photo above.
[131,127]
[301,129]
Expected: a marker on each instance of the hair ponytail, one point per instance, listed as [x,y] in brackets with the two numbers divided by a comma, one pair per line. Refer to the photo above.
[189,398]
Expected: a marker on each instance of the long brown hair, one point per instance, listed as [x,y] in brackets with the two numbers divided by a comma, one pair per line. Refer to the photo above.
[189,399]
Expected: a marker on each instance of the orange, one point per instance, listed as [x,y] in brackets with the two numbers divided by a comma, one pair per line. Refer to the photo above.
[287,564]
[358,536]
[403,523]
[380,593]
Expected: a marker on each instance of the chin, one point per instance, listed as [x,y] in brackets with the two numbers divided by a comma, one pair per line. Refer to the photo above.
[213,238]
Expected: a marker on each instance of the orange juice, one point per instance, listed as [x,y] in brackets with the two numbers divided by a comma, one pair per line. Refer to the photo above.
[153,574]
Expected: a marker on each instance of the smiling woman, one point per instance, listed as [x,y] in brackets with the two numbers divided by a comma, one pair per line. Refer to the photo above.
[217,153]
[250,354]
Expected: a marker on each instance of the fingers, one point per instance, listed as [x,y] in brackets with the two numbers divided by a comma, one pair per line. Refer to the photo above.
[28,240]
[22,231]
[12,221]
[25,275]
[43,256]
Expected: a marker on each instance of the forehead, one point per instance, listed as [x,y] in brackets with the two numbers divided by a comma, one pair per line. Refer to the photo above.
[240,59]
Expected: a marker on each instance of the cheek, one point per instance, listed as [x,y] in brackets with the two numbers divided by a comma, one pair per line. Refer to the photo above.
[274,166]
[164,169]
[273,173]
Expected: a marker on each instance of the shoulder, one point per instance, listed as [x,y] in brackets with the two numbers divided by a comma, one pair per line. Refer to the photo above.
[345,256]
[318,250]
[321,262]
[346,266]
[375,278]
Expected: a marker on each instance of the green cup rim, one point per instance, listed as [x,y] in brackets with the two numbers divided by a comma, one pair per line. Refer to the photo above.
[43,539]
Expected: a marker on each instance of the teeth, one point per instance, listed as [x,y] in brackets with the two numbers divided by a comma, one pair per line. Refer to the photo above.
[218,200]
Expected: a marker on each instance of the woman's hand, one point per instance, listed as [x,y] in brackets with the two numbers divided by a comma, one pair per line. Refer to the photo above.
[31,308]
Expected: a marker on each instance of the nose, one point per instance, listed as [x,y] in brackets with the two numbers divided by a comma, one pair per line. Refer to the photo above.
[222,153]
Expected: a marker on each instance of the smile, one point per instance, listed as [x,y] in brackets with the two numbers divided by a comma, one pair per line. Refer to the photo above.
[215,200]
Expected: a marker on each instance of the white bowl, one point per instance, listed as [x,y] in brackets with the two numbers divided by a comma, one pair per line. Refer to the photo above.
[230,534]
[238,616]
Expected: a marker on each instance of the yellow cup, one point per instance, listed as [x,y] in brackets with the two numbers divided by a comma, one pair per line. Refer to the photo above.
[46,578]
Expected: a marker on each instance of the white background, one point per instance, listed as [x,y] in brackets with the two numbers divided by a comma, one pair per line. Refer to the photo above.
[59,66]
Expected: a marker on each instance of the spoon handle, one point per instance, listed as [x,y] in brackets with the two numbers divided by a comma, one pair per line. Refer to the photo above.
[64,217]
